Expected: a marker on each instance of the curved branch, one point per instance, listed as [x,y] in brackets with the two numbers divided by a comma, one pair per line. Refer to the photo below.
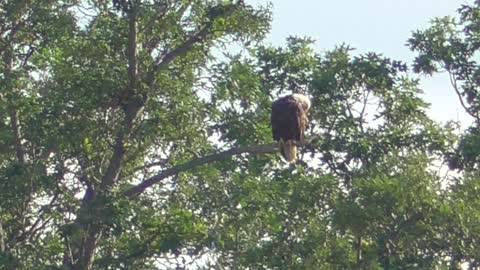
[258,149]
[453,82]
[182,49]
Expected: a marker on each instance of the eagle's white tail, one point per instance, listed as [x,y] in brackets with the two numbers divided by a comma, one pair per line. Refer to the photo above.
[289,151]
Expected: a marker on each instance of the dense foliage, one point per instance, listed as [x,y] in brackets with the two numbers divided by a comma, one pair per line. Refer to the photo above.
[135,134]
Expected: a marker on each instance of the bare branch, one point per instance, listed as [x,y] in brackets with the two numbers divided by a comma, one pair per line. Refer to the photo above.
[453,82]
[161,162]
[182,49]
[40,217]
[258,149]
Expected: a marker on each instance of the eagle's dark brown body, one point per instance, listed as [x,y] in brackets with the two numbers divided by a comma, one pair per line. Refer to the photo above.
[289,121]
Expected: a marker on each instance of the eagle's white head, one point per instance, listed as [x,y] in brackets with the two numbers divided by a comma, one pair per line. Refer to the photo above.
[304,100]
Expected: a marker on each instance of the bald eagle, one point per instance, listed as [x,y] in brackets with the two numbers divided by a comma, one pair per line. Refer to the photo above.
[289,121]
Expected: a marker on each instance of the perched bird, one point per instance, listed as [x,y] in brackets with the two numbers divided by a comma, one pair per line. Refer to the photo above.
[289,121]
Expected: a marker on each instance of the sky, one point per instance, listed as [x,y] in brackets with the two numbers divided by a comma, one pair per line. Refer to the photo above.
[381,26]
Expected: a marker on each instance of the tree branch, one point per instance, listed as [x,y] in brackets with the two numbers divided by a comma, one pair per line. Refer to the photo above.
[182,49]
[3,238]
[453,82]
[40,217]
[132,106]
[152,43]
[258,149]
[12,112]
[162,162]
[15,125]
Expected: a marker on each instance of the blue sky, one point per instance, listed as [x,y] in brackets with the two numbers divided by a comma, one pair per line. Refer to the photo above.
[381,26]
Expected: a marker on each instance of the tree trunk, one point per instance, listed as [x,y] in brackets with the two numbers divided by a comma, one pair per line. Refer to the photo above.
[84,253]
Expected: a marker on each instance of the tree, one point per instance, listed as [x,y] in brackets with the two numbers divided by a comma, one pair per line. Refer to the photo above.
[136,137]
[364,198]
[25,29]
[113,84]
[452,44]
